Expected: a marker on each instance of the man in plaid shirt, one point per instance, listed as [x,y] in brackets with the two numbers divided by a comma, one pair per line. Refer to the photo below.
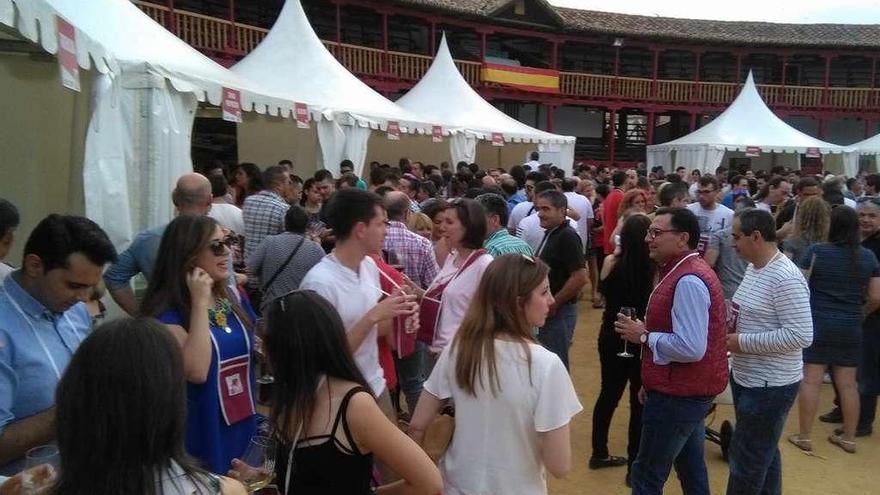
[415,257]
[263,212]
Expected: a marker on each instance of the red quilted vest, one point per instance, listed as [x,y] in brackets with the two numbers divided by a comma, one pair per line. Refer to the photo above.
[708,376]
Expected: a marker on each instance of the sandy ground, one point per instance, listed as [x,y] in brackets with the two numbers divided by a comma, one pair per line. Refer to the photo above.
[831,471]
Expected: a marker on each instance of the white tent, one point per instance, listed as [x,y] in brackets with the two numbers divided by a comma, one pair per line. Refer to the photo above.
[145,92]
[445,98]
[292,61]
[869,148]
[747,125]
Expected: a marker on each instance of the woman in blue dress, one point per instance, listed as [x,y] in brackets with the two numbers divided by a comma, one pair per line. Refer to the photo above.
[189,292]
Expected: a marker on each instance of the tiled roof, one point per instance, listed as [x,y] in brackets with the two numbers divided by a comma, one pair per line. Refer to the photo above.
[684,30]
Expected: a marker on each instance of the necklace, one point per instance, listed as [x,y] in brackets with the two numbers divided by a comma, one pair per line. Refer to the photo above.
[219,317]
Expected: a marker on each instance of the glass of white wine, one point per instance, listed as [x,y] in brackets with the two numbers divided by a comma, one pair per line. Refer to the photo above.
[628,312]
[260,455]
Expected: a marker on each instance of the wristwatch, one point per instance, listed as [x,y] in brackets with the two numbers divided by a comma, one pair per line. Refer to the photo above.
[643,338]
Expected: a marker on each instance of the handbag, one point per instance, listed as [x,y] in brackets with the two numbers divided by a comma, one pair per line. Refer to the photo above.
[429,307]
[283,265]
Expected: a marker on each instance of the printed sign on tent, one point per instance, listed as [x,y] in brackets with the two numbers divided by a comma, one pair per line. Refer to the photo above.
[393,130]
[813,153]
[436,134]
[497,139]
[301,111]
[753,151]
[67,54]
[231,105]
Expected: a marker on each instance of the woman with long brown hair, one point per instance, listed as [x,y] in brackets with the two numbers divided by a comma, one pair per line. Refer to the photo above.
[513,398]
[811,223]
[189,293]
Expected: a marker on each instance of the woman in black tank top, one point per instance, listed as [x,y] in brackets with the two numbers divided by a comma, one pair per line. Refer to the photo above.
[324,412]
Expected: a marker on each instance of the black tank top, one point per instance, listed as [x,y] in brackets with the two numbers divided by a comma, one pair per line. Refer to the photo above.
[330,466]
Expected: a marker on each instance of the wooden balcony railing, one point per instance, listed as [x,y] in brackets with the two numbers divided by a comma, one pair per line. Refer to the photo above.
[222,36]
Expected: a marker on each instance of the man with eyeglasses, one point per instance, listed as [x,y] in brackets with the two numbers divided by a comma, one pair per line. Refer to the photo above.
[684,356]
[711,215]
[527,207]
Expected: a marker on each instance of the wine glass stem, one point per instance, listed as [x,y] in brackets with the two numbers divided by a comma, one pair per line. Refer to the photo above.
[626,347]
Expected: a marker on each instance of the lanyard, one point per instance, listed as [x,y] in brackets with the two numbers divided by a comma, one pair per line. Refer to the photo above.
[40,338]
[546,238]
[296,439]
[691,255]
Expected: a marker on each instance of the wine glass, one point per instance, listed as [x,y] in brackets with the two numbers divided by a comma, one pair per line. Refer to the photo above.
[628,312]
[44,454]
[260,455]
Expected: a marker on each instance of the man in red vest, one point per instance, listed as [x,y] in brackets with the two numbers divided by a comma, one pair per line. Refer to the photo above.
[684,358]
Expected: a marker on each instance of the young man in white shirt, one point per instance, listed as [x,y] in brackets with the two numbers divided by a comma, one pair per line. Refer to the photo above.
[349,280]
[711,215]
[581,205]
[771,323]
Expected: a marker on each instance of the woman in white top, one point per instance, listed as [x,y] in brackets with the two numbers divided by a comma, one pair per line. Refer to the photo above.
[464,228]
[513,398]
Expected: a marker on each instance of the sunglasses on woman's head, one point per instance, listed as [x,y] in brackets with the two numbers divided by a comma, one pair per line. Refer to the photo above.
[218,246]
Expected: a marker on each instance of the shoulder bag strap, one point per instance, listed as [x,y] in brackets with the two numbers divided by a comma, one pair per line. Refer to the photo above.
[283,265]
[468,262]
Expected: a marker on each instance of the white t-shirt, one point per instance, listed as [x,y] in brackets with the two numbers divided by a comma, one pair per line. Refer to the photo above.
[496,447]
[353,295]
[710,221]
[581,205]
[761,205]
[771,313]
[530,230]
[520,211]
[457,296]
[692,190]
[5,270]
[228,216]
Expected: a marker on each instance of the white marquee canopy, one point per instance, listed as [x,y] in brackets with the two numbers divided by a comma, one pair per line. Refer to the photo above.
[747,125]
[445,98]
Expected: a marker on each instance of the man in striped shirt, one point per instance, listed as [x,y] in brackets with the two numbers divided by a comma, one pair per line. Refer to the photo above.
[770,323]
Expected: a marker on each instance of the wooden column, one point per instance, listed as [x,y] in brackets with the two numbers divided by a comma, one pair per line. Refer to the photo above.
[693,122]
[433,49]
[386,66]
[483,35]
[338,23]
[550,110]
[827,84]
[654,69]
[821,128]
[172,19]
[874,98]
[868,127]
[612,130]
[695,90]
[783,98]
[554,56]
[739,60]
[231,41]
[649,138]
[616,70]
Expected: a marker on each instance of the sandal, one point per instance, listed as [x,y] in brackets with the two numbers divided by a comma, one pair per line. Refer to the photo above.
[804,444]
[845,445]
[597,303]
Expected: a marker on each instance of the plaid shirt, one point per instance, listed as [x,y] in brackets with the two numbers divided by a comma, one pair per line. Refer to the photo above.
[263,215]
[501,242]
[415,253]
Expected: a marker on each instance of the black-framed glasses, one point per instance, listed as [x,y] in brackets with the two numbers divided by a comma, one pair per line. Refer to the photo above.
[653,233]
[218,247]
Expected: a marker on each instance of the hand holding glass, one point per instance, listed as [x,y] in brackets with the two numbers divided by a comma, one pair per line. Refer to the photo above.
[630,313]
[260,457]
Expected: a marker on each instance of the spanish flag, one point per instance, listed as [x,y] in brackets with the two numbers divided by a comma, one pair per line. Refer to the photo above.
[524,78]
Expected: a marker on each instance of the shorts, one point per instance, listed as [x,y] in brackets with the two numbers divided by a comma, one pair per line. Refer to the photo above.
[843,354]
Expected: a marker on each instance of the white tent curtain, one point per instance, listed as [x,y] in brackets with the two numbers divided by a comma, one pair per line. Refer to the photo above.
[138,143]
[659,158]
[704,158]
[339,142]
[462,148]
[850,164]
[564,155]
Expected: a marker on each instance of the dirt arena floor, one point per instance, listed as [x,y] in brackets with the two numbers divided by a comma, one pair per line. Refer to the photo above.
[831,471]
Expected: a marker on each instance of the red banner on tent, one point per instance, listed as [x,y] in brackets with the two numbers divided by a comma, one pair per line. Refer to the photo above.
[753,151]
[437,134]
[393,130]
[67,54]
[813,153]
[231,105]
[301,112]
[497,139]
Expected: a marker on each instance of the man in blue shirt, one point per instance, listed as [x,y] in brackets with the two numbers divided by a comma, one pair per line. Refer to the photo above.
[43,319]
[191,196]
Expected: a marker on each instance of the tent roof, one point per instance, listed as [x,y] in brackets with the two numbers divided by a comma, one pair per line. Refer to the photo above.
[749,122]
[116,34]
[870,146]
[445,98]
[292,61]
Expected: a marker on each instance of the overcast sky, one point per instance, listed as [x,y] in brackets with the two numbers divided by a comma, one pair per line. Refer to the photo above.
[798,11]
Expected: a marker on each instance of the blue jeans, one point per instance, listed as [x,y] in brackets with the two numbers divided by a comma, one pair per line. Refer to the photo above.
[557,332]
[411,375]
[673,433]
[755,465]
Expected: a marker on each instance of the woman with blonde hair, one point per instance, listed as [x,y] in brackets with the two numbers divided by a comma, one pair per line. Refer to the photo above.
[506,387]
[421,224]
[811,223]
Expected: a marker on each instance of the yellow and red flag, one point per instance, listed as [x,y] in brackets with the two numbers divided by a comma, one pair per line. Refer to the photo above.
[524,78]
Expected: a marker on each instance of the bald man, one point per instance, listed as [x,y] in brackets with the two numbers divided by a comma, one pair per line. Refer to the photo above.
[191,196]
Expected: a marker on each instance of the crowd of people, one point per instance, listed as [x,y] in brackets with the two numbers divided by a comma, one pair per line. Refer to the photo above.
[427,308]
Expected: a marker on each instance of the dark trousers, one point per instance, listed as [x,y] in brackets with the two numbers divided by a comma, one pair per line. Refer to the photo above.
[616,373]
[755,463]
[673,434]
[557,332]
[868,374]
[411,375]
